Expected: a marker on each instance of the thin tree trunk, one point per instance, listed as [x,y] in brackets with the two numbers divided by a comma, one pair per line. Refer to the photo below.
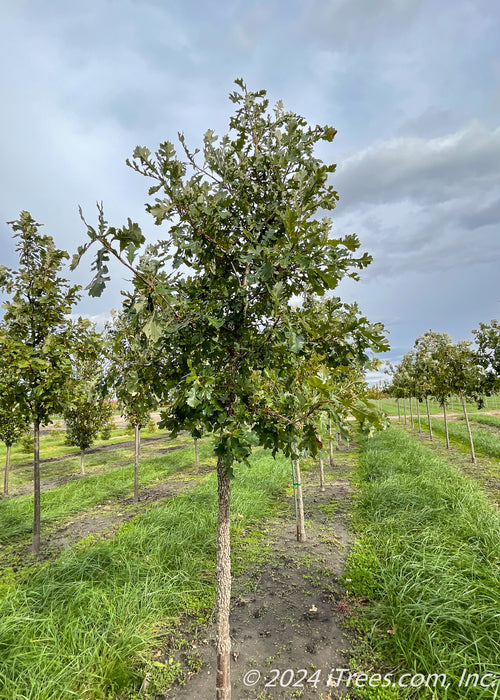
[6,473]
[404,408]
[82,461]
[418,415]
[137,443]
[446,426]
[300,500]
[196,455]
[223,593]
[294,482]
[399,412]
[428,417]
[330,445]
[321,475]
[411,413]
[35,545]
[471,442]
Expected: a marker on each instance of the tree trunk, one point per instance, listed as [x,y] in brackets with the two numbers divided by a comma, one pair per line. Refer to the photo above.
[294,482]
[82,461]
[298,484]
[223,593]
[196,455]
[446,426]
[418,416]
[330,445]
[321,475]
[6,473]
[471,442]
[399,412]
[35,545]
[411,413]
[404,408]
[137,441]
[428,417]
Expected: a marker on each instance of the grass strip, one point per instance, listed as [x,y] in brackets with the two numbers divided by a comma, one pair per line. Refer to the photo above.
[492,421]
[66,458]
[390,406]
[485,442]
[428,560]
[16,515]
[82,627]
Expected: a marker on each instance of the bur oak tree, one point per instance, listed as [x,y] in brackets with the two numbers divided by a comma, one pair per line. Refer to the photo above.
[130,375]
[36,337]
[243,240]
[14,421]
[487,338]
[89,409]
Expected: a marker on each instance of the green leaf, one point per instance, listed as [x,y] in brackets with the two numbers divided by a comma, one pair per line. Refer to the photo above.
[153,329]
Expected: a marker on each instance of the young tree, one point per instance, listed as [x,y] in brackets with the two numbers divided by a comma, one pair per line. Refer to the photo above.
[433,351]
[129,375]
[467,380]
[89,409]
[243,241]
[487,338]
[36,337]
[13,419]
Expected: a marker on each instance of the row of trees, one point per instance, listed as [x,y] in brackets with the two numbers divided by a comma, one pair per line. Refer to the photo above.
[438,368]
[229,323]
[53,364]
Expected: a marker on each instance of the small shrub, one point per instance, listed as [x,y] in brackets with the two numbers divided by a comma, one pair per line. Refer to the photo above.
[108,426]
[27,442]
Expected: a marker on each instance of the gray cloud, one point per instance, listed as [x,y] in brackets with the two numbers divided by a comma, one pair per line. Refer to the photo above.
[411,85]
[425,170]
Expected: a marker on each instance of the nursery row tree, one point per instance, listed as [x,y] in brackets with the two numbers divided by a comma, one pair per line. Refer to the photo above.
[131,367]
[243,242]
[14,420]
[90,409]
[440,368]
[36,337]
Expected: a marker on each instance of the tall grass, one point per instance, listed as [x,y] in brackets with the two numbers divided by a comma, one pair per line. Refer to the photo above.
[16,515]
[485,442]
[81,627]
[428,559]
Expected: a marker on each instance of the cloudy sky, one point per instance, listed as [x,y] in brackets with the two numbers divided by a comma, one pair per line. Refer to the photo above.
[412,86]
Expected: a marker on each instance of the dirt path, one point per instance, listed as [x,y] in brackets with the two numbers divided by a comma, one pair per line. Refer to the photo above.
[287,612]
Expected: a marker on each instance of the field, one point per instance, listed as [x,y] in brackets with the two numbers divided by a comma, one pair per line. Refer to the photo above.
[398,575]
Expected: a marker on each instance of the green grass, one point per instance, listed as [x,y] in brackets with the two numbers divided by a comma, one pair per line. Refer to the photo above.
[428,560]
[53,445]
[16,514]
[454,406]
[84,627]
[491,421]
[485,441]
